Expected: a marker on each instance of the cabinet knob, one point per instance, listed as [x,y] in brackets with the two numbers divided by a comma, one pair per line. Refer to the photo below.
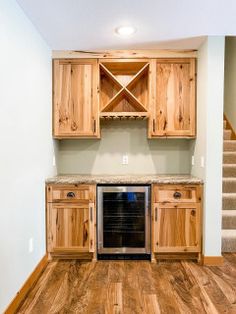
[70,194]
[193,213]
[177,195]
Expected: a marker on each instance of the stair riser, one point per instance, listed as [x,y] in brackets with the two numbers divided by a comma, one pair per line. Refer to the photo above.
[229,187]
[229,172]
[229,245]
[229,203]
[227,134]
[229,158]
[230,147]
[228,222]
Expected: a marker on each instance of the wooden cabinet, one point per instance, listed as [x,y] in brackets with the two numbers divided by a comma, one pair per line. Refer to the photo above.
[157,89]
[177,228]
[71,220]
[124,88]
[177,219]
[75,98]
[173,111]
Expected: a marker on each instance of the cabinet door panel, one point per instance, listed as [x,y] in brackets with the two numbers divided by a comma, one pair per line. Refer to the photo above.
[176,228]
[174,106]
[68,227]
[75,100]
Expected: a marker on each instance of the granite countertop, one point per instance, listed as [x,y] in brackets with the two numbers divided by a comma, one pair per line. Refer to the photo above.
[123,179]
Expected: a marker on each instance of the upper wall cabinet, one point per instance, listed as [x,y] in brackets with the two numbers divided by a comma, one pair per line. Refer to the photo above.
[75,93]
[161,90]
[124,88]
[173,111]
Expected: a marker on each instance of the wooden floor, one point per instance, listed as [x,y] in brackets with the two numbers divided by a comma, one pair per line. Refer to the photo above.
[134,287]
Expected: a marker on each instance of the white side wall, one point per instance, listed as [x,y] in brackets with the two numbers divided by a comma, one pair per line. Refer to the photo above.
[230,79]
[26,147]
[209,141]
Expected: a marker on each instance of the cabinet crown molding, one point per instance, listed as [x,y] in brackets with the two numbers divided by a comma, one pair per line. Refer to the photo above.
[119,54]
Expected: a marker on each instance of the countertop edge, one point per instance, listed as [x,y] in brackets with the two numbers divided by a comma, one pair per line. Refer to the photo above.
[60,180]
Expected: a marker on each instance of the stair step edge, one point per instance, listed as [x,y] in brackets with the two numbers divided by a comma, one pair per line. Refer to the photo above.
[229,212]
[229,165]
[228,233]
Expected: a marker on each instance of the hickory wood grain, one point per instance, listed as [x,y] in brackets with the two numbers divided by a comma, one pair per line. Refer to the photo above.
[173,112]
[176,220]
[134,287]
[71,220]
[75,98]
[124,85]
[106,54]
[162,88]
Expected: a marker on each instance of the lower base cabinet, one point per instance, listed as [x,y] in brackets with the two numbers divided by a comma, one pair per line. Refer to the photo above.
[177,221]
[71,225]
[177,228]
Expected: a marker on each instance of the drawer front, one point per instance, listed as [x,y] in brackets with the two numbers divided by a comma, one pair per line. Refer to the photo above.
[176,193]
[71,193]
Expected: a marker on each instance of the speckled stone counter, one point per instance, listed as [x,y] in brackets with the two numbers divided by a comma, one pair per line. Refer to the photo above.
[123,179]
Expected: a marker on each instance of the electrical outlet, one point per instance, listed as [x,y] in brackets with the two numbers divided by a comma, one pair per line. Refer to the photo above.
[54,161]
[202,162]
[125,160]
[31,245]
[193,161]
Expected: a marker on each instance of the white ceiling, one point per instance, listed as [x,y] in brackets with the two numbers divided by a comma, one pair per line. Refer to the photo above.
[90,24]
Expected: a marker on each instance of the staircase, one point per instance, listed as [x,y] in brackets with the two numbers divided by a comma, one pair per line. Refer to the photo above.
[229,191]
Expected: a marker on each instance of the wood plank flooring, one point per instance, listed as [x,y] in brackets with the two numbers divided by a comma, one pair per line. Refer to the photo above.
[71,286]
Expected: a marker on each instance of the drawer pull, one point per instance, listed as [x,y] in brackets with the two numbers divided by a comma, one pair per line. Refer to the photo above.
[177,195]
[154,125]
[94,126]
[155,214]
[70,194]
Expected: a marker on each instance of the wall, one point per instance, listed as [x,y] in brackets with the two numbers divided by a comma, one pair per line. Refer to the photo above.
[26,146]
[118,138]
[230,79]
[209,141]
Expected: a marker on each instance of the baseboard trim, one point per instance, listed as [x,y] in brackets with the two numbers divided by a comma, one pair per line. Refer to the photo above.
[212,260]
[29,283]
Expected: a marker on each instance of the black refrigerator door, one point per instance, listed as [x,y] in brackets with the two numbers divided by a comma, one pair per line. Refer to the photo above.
[124,219]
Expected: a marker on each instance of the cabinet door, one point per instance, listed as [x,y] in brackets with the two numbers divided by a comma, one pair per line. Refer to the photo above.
[75,98]
[176,228]
[70,228]
[173,111]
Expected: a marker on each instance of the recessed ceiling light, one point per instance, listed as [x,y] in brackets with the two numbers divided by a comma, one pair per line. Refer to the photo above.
[125,31]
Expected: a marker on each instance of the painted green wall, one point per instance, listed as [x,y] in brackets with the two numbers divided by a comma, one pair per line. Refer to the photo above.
[118,138]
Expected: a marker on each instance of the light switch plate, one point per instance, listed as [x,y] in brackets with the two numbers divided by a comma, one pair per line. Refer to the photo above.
[125,159]
[193,161]
[202,161]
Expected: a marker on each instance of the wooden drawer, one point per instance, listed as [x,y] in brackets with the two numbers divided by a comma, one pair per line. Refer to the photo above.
[71,193]
[176,193]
